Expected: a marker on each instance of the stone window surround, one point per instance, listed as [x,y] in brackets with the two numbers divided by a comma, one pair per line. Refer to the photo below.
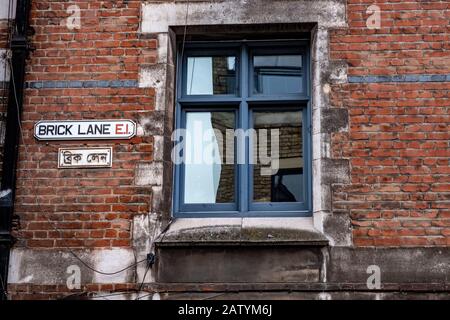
[160,19]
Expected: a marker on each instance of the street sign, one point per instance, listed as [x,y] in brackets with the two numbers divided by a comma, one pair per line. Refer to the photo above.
[85,158]
[84,130]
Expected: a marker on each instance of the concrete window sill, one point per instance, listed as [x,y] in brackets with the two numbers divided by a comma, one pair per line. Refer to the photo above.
[242,232]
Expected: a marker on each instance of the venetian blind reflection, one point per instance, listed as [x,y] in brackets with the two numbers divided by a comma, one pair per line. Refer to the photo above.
[208,178]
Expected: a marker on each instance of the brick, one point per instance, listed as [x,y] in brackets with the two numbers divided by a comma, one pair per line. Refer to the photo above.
[406,49]
[388,171]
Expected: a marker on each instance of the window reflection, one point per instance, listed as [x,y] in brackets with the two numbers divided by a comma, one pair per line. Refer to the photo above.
[209,172]
[281,179]
[278,74]
[211,75]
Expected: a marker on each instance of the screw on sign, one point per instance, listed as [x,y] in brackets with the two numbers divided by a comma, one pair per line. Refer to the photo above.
[85,129]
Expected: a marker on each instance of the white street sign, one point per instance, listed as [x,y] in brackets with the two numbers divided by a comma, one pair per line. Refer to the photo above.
[84,130]
[85,158]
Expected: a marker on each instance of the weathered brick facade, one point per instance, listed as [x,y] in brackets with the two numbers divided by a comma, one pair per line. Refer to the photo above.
[87,208]
[398,104]
[384,131]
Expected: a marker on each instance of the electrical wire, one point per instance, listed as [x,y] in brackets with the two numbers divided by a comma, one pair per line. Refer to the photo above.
[172,220]
[8,40]
[76,294]
[3,286]
[8,59]
[145,295]
[4,91]
[139,290]
[192,76]
[17,103]
[183,44]
[5,57]
[216,296]
[114,294]
[102,272]
[143,280]
[185,27]
[26,151]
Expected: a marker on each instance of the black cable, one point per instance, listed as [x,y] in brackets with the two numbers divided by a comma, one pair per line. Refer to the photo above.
[105,273]
[3,286]
[149,259]
[76,294]
[216,296]
[185,28]
[114,294]
[73,253]
[143,280]
[163,233]
[16,100]
[23,140]
[8,40]
[144,296]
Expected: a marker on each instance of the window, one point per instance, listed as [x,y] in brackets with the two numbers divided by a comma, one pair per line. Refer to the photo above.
[242,142]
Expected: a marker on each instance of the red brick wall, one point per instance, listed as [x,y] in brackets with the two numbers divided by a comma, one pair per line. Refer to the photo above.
[88,207]
[398,139]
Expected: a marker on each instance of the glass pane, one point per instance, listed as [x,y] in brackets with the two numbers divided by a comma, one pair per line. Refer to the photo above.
[277,157]
[278,74]
[209,157]
[211,75]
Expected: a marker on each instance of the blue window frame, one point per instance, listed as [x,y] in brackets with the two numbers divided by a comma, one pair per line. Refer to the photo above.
[260,89]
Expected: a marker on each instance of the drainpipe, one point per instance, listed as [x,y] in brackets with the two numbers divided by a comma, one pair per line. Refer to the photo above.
[19,49]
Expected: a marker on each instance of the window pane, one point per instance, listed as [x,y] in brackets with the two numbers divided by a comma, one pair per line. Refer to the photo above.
[278,74]
[278,157]
[211,75]
[209,157]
